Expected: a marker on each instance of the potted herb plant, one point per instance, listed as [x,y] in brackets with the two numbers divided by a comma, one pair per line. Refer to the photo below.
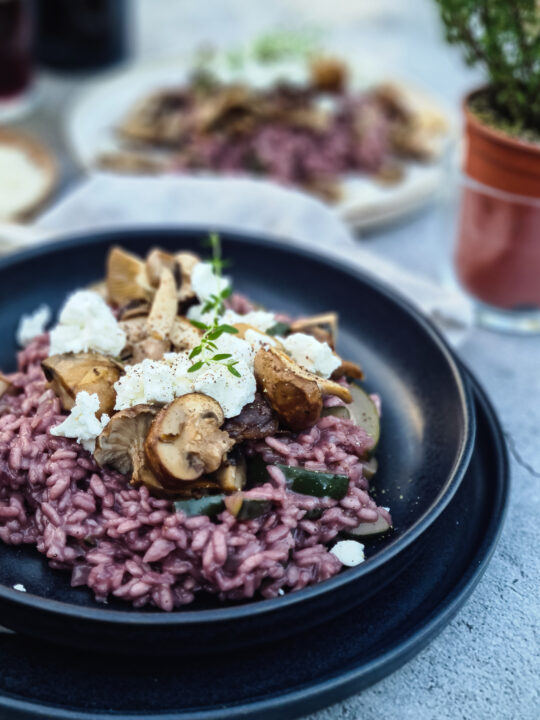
[498,246]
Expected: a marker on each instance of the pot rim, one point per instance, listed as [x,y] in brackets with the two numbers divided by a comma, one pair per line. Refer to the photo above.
[492,133]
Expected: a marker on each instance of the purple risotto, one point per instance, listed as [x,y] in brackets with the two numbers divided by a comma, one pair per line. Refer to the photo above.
[167,438]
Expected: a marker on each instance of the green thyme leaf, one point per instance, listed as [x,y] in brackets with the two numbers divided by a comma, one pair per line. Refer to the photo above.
[221,356]
[233,371]
[196,351]
[199,325]
[196,366]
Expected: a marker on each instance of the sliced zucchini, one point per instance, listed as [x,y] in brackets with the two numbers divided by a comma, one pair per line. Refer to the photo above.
[313,482]
[370,467]
[361,411]
[366,529]
[210,505]
[364,413]
[280,328]
[252,508]
[340,411]
[257,473]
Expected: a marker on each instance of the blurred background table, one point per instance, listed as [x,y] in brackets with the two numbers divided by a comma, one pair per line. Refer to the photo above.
[486,663]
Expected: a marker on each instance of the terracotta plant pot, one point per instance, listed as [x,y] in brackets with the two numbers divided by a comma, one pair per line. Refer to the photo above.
[498,248]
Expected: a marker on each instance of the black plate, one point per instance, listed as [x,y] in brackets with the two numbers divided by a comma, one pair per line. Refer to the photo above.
[426,443]
[298,675]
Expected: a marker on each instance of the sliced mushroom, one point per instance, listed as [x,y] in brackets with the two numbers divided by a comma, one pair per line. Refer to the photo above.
[348,369]
[134,309]
[121,444]
[156,260]
[329,74]
[126,278]
[185,440]
[139,344]
[232,475]
[183,335]
[323,327]
[294,393]
[6,386]
[163,310]
[185,262]
[70,374]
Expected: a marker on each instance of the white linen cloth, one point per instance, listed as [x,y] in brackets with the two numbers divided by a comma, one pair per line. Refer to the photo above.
[112,201]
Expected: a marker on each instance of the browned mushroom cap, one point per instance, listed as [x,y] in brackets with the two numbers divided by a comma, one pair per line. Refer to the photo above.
[185,440]
[126,278]
[294,393]
[139,345]
[185,262]
[348,369]
[164,306]
[329,74]
[156,260]
[121,444]
[232,475]
[323,327]
[6,386]
[70,374]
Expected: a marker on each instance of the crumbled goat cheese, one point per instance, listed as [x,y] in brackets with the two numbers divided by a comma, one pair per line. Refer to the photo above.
[150,381]
[82,423]
[258,340]
[205,282]
[161,381]
[20,587]
[307,351]
[86,323]
[349,552]
[30,326]
[259,319]
[231,392]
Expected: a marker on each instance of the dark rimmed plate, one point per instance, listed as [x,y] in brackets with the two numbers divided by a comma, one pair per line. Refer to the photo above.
[427,438]
[300,674]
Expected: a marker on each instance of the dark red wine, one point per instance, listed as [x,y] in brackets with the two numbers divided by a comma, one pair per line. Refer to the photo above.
[81,34]
[15,47]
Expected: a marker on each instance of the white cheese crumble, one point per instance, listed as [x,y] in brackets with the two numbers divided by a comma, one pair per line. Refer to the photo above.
[161,381]
[349,552]
[307,351]
[86,323]
[82,423]
[20,587]
[259,319]
[205,282]
[30,326]
[258,340]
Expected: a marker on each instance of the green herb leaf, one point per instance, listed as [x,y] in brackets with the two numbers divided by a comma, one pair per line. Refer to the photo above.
[199,325]
[233,371]
[196,366]
[196,351]
[228,329]
[221,356]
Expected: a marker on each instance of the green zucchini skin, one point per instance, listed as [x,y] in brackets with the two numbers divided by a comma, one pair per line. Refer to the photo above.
[315,483]
[212,505]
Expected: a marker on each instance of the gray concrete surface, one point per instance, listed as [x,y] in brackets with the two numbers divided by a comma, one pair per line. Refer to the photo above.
[486,664]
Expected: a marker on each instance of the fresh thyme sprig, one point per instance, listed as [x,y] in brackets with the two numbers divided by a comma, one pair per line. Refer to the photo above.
[206,350]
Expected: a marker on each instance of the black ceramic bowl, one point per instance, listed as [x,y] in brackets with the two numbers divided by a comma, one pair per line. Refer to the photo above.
[426,441]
